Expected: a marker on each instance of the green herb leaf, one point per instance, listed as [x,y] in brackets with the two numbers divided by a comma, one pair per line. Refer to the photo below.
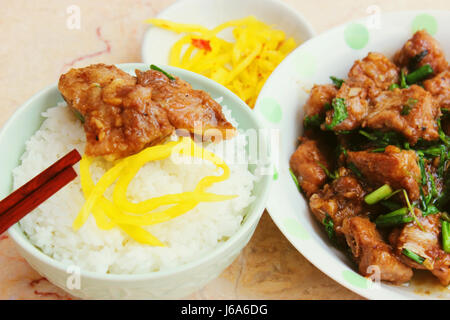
[354,169]
[78,115]
[393,86]
[337,82]
[168,75]
[329,228]
[340,113]
[313,121]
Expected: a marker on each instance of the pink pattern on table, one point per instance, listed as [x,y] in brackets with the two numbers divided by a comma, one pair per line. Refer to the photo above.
[91,55]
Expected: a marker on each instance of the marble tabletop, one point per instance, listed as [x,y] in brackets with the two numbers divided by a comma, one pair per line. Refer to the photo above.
[37,46]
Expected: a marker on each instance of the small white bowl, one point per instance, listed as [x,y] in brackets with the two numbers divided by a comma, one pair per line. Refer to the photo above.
[174,283]
[210,13]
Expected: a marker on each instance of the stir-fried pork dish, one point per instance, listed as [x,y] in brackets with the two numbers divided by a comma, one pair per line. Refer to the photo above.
[124,114]
[373,161]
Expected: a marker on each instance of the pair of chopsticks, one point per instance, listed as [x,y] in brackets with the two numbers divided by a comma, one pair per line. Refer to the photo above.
[28,197]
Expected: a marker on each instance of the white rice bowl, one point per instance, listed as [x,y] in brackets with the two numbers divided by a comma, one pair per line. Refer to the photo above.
[187,237]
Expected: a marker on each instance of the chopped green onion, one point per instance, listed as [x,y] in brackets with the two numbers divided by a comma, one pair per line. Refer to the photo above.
[393,86]
[329,227]
[408,106]
[380,194]
[337,82]
[405,110]
[313,121]
[368,135]
[411,210]
[295,180]
[445,235]
[414,61]
[397,217]
[168,75]
[78,115]
[391,205]
[355,170]
[327,172]
[403,83]
[419,74]
[413,256]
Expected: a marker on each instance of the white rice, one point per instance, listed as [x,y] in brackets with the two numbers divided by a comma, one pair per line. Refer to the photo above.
[187,237]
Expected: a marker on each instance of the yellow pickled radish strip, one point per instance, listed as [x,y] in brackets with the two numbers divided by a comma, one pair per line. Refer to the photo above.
[87,184]
[99,189]
[159,216]
[108,214]
[189,148]
[177,27]
[141,235]
[243,65]
[121,187]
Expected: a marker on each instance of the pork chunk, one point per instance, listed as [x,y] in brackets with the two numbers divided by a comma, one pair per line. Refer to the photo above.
[411,112]
[375,73]
[356,106]
[320,96]
[395,167]
[119,116]
[439,87]
[422,43]
[341,199]
[306,163]
[192,110]
[425,243]
[371,253]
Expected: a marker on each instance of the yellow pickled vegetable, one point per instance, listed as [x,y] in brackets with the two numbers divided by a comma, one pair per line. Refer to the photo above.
[243,66]
[131,217]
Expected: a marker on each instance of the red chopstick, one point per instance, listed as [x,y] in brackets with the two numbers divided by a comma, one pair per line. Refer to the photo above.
[14,198]
[38,190]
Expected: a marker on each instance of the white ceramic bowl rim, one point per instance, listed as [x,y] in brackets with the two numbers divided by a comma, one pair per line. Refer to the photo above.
[250,219]
[180,3]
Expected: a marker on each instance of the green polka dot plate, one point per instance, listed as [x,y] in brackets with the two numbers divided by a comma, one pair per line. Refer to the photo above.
[332,53]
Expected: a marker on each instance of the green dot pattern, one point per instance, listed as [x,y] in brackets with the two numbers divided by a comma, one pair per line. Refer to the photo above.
[356,36]
[425,21]
[275,174]
[305,64]
[270,109]
[355,279]
[294,228]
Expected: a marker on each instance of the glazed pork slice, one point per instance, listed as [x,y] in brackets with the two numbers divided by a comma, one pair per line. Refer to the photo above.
[306,164]
[375,73]
[124,114]
[412,112]
[425,243]
[422,44]
[371,253]
[320,96]
[439,87]
[341,199]
[120,118]
[395,167]
[356,106]
[186,108]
